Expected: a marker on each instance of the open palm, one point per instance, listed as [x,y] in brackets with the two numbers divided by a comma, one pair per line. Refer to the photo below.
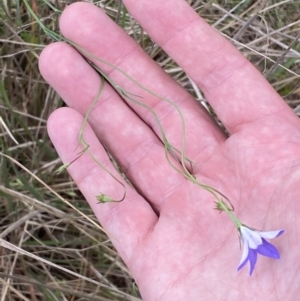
[176,246]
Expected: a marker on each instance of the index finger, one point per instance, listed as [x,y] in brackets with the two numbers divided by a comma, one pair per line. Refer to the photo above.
[236,90]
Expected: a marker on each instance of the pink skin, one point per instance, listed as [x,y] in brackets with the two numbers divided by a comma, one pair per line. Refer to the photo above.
[182,249]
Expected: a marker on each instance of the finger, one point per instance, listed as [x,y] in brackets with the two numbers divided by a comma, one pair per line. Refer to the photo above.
[236,90]
[138,150]
[89,27]
[126,222]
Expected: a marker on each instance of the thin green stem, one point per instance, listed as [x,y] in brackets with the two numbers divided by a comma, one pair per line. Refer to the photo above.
[234,219]
[169,149]
[183,144]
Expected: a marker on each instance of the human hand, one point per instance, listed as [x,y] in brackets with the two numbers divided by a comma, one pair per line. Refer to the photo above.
[175,245]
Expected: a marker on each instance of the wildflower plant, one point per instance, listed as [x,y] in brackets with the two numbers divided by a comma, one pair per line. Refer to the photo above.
[253,242]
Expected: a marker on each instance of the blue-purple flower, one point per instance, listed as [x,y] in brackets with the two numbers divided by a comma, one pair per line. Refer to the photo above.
[254,242]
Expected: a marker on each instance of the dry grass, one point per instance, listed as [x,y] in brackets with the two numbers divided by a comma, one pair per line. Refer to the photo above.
[49,250]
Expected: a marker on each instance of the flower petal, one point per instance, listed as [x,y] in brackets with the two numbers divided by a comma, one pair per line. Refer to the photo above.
[254,242]
[244,258]
[268,250]
[271,234]
[252,237]
[252,256]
